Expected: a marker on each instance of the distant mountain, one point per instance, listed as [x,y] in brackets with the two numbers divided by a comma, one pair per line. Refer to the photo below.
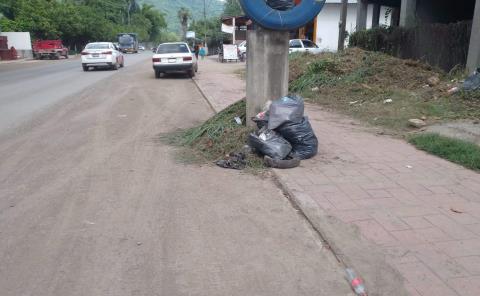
[171,7]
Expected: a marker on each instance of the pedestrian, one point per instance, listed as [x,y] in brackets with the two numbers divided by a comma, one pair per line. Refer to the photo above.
[196,49]
[203,52]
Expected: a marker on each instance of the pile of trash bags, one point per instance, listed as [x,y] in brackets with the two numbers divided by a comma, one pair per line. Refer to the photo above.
[284,133]
[281,4]
[472,82]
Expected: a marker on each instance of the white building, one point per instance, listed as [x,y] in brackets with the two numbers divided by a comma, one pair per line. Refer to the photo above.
[324,30]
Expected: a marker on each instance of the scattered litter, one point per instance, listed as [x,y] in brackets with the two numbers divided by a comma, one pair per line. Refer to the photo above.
[409,167]
[356,282]
[139,243]
[418,123]
[453,90]
[387,101]
[315,89]
[353,103]
[236,161]
[238,120]
[261,119]
[456,211]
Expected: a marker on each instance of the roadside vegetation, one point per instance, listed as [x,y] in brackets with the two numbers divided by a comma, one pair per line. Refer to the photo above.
[216,138]
[78,22]
[458,151]
[380,89]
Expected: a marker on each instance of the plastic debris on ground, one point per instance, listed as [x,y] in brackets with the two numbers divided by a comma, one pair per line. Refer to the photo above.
[301,136]
[288,163]
[269,142]
[236,161]
[472,82]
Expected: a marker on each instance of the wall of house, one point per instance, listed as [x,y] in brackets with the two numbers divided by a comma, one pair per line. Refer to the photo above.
[329,17]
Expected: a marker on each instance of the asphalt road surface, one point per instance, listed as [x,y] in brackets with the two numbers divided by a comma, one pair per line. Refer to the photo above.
[93,204]
[27,88]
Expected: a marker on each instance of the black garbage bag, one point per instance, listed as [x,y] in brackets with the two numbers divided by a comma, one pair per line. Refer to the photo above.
[281,4]
[301,136]
[270,143]
[472,82]
[261,119]
[287,109]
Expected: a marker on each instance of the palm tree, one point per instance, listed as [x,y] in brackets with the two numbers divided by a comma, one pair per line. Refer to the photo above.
[184,15]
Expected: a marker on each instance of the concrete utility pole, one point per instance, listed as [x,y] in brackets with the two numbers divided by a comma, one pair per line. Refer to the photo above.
[376,15]
[267,68]
[362,10]
[342,26]
[408,13]
[473,61]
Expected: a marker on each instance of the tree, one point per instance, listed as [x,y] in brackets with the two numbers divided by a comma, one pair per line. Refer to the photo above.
[184,15]
[232,8]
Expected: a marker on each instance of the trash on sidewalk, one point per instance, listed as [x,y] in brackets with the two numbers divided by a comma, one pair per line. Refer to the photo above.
[270,143]
[236,161]
[472,82]
[356,283]
[238,120]
[287,109]
[285,136]
[301,136]
[288,163]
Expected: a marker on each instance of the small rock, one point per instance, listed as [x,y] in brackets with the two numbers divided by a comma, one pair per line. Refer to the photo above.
[409,167]
[434,80]
[387,101]
[418,123]
[139,243]
[424,118]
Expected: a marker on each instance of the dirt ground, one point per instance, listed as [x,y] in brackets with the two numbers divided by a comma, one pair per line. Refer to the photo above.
[92,204]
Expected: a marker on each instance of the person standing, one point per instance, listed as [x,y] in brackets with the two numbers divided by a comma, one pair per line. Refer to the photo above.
[203,52]
[196,48]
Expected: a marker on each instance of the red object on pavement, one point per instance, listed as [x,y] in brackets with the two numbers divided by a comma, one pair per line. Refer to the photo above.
[52,49]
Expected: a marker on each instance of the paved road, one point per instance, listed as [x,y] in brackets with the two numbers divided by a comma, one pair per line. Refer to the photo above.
[28,88]
[93,204]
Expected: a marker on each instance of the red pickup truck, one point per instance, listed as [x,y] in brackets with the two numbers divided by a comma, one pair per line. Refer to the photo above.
[52,49]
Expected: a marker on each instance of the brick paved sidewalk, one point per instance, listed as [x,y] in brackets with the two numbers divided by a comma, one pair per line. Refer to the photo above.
[421,211]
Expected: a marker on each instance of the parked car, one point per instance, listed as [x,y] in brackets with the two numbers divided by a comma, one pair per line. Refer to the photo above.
[174,57]
[303,45]
[141,47]
[242,50]
[102,54]
[52,49]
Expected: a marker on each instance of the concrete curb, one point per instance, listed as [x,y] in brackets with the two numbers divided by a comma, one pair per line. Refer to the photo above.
[347,244]
[207,99]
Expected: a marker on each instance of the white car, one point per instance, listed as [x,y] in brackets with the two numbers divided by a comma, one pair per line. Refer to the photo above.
[141,47]
[102,54]
[302,45]
[174,57]
[242,49]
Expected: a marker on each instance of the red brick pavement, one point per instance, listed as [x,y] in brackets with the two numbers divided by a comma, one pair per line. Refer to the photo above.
[424,212]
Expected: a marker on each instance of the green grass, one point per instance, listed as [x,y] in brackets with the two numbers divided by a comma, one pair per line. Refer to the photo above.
[215,138]
[357,83]
[458,151]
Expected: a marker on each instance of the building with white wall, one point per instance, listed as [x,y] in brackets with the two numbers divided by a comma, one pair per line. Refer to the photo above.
[324,30]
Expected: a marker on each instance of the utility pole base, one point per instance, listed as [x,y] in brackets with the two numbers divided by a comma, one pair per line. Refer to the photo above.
[267,68]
